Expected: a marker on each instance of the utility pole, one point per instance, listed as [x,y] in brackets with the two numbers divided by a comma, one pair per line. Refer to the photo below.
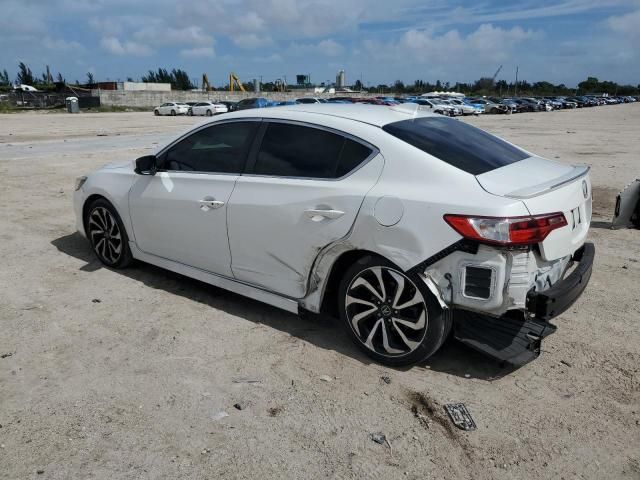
[515,88]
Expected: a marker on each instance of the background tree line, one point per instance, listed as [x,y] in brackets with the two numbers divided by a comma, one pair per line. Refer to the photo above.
[179,80]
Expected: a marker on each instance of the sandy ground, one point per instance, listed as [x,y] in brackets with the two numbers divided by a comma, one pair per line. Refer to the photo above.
[126,374]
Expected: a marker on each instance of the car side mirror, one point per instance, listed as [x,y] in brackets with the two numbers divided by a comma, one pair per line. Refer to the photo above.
[146,165]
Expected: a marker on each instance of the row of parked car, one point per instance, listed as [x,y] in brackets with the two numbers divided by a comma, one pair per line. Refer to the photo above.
[446,105]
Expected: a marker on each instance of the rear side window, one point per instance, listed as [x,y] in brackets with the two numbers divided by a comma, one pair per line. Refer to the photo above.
[298,151]
[456,143]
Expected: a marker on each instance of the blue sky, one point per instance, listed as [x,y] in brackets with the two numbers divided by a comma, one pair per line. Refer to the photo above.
[382,41]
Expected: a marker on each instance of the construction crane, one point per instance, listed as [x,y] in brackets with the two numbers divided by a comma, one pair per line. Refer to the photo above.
[496,74]
[234,82]
[206,86]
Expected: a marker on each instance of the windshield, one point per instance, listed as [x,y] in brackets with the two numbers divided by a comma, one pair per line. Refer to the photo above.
[456,143]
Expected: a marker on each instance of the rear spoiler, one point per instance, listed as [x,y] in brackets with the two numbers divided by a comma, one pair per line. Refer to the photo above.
[577,172]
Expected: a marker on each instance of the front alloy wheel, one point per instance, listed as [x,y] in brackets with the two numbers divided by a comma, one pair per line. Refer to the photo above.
[107,235]
[391,315]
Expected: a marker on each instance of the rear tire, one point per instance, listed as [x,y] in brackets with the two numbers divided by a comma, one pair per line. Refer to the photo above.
[173,113]
[107,235]
[209,114]
[391,315]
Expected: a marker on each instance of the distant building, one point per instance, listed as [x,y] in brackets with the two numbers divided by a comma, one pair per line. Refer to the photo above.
[341,80]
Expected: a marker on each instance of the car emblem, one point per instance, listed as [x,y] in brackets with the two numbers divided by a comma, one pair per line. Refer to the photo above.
[385,310]
[585,189]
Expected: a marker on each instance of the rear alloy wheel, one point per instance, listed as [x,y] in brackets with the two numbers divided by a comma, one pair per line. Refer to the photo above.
[391,315]
[173,113]
[209,114]
[107,235]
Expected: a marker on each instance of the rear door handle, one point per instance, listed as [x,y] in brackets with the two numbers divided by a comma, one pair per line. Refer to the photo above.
[317,214]
[210,202]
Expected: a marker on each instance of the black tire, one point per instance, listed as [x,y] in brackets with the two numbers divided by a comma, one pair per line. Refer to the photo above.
[173,113]
[362,311]
[156,113]
[209,114]
[112,247]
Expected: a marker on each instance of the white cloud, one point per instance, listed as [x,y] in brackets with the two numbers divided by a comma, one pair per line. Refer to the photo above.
[327,47]
[252,40]
[114,46]
[61,44]
[627,25]
[163,35]
[198,52]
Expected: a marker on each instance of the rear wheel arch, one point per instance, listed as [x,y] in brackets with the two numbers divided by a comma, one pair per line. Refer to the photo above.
[339,267]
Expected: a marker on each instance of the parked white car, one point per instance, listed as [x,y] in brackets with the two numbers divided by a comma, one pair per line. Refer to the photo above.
[466,109]
[171,108]
[208,109]
[403,223]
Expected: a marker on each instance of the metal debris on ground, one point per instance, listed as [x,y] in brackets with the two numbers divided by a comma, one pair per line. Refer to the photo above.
[240,405]
[378,438]
[325,378]
[5,355]
[245,380]
[220,415]
[96,300]
[386,379]
[460,416]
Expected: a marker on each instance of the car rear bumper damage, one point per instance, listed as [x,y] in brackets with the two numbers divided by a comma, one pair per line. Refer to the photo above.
[503,299]
[552,302]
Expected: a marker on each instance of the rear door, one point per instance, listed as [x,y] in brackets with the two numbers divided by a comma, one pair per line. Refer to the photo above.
[302,191]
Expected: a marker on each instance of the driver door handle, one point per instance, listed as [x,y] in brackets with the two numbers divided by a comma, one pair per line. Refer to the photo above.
[211,203]
[317,214]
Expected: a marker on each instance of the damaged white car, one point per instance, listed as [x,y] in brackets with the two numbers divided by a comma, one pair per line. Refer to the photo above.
[406,224]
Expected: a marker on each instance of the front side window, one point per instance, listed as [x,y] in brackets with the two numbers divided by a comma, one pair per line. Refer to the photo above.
[217,149]
[299,151]
[456,143]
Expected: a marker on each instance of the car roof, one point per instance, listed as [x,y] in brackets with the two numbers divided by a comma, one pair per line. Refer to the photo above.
[378,115]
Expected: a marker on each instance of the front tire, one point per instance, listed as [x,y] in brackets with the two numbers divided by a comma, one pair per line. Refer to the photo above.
[156,113]
[173,113]
[391,315]
[209,114]
[107,235]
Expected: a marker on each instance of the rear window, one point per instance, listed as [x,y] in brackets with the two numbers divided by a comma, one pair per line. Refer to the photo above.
[456,143]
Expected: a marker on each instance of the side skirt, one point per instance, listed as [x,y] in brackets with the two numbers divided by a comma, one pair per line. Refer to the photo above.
[217,280]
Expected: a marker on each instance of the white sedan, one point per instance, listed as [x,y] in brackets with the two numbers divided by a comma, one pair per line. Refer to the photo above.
[208,109]
[171,108]
[405,224]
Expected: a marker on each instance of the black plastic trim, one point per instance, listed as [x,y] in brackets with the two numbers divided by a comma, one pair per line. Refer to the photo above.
[513,339]
[550,303]
[462,245]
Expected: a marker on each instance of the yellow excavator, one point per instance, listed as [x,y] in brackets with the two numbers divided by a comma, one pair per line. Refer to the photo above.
[234,82]
[206,86]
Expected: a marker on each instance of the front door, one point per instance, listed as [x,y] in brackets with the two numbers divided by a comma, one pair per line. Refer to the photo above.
[302,193]
[181,212]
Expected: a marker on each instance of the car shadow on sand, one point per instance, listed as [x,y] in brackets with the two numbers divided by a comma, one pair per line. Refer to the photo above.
[321,330]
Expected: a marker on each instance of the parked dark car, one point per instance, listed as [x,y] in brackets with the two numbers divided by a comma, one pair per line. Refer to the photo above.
[231,106]
[247,103]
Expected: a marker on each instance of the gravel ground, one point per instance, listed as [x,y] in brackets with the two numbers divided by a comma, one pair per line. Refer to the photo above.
[135,373]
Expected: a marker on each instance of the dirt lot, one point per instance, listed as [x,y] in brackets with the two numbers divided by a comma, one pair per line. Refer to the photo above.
[125,374]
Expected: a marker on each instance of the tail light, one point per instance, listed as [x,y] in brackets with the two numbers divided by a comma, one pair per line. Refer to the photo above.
[506,230]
